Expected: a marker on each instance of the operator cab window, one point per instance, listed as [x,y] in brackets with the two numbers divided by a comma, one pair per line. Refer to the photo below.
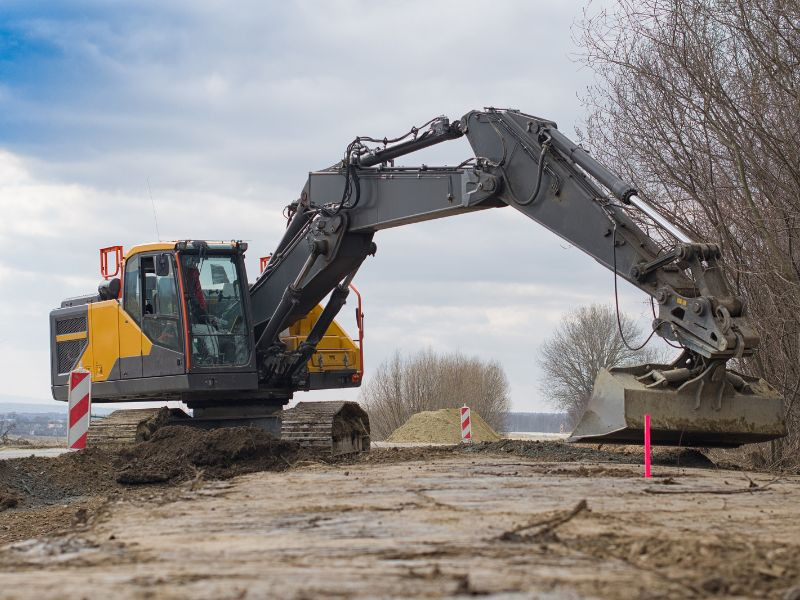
[132,297]
[161,319]
[219,336]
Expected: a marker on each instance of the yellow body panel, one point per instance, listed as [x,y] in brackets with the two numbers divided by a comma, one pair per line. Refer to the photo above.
[130,336]
[104,339]
[113,334]
[335,351]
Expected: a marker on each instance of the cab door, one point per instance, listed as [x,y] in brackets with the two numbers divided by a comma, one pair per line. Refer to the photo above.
[163,353]
[130,319]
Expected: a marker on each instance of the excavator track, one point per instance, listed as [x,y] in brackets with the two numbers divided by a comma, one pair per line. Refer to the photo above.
[335,427]
[124,427]
[330,427]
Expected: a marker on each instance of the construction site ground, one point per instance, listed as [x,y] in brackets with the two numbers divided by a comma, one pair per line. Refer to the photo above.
[507,519]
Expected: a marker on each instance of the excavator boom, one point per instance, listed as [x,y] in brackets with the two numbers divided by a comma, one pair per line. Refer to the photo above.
[525,162]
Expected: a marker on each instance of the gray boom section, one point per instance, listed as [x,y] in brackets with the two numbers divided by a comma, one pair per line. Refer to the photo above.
[322,277]
[569,204]
[555,182]
[395,197]
[520,161]
[552,180]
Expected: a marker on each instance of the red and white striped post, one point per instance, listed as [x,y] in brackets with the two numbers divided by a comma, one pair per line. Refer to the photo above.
[466,425]
[80,408]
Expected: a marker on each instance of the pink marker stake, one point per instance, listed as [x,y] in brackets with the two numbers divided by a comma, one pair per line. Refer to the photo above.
[647,445]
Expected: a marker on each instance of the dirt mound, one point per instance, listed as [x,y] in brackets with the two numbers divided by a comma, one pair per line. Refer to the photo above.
[178,452]
[441,427]
[37,481]
[555,451]
[172,454]
[549,451]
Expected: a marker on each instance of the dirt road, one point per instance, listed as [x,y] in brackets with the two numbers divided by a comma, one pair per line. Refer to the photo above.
[451,524]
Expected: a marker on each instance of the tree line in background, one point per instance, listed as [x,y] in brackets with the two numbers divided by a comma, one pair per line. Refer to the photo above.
[586,340]
[402,386]
[697,102]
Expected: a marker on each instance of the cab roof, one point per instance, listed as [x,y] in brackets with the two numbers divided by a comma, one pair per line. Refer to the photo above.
[155,246]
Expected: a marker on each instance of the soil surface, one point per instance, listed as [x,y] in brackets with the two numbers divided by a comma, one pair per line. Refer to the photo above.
[508,519]
[47,492]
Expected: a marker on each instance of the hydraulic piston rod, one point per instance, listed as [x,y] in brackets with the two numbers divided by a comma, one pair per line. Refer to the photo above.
[659,218]
[442,131]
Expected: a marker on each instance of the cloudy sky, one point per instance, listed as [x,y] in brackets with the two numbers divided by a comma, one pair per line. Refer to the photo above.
[222,109]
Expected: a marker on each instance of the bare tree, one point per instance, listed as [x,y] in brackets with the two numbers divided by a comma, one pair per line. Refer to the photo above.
[6,427]
[403,386]
[697,102]
[587,340]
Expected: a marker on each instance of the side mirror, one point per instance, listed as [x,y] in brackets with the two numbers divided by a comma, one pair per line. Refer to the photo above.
[162,265]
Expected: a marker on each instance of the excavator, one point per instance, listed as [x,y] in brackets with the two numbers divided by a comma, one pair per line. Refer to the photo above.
[179,320]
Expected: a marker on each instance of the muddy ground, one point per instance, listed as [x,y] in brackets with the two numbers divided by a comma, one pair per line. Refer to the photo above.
[237,515]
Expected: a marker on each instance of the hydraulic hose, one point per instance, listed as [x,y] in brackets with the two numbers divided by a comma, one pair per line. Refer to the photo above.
[540,173]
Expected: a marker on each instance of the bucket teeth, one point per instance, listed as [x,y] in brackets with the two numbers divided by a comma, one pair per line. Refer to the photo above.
[713,408]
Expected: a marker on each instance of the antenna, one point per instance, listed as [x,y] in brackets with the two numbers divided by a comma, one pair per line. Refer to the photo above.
[152,202]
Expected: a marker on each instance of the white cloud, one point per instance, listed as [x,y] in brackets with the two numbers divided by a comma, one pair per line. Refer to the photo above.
[224,112]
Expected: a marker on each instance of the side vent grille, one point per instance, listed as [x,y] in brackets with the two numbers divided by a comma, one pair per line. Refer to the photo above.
[73,325]
[68,354]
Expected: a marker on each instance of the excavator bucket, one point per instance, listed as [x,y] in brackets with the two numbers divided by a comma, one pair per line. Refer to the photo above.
[717,408]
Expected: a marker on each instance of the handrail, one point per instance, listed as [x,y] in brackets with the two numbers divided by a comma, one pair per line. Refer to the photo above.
[104,252]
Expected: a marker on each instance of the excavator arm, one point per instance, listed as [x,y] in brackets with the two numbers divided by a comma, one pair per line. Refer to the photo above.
[525,162]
